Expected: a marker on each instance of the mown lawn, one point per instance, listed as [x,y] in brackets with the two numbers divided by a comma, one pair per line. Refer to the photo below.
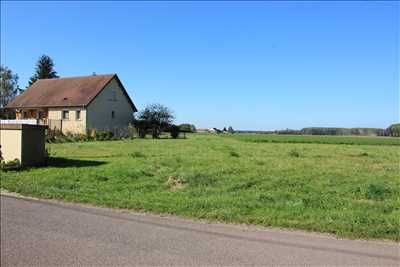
[348,190]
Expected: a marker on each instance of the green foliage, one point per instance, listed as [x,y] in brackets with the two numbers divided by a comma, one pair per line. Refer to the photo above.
[343,131]
[8,90]
[329,188]
[187,128]
[132,132]
[44,69]
[155,117]
[393,130]
[174,131]
[56,136]
[230,130]
[10,165]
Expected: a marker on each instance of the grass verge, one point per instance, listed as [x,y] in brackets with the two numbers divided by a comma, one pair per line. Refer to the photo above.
[350,191]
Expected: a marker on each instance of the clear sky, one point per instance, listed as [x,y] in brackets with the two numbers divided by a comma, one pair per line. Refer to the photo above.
[252,65]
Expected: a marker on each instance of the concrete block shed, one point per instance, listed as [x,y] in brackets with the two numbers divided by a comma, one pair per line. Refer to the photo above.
[24,142]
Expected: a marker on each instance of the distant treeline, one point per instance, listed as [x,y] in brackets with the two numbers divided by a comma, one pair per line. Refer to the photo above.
[392,130]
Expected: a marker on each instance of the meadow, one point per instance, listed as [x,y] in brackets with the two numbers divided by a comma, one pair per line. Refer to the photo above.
[349,187]
[317,139]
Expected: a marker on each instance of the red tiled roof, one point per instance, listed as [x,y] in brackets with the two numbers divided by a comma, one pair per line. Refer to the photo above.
[65,92]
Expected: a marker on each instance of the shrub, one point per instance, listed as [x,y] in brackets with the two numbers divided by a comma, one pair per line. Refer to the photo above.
[187,128]
[174,130]
[131,131]
[92,134]
[10,165]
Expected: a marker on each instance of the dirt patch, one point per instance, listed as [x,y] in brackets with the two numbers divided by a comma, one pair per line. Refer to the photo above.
[175,183]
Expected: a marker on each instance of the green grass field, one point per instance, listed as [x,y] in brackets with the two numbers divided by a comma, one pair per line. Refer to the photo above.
[315,139]
[347,190]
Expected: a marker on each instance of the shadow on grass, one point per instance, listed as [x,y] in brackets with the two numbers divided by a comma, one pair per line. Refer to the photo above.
[65,163]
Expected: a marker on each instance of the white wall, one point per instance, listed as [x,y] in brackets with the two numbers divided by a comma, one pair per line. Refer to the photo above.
[99,111]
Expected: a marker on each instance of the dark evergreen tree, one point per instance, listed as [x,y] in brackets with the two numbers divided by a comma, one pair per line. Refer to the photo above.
[44,69]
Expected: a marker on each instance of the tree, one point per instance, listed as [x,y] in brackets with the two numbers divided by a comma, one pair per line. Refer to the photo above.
[393,130]
[44,69]
[174,130]
[8,89]
[187,128]
[230,130]
[157,117]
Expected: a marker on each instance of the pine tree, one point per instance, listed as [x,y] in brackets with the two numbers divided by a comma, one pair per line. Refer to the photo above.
[44,69]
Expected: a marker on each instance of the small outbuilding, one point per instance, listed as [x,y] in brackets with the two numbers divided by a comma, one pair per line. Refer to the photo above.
[24,142]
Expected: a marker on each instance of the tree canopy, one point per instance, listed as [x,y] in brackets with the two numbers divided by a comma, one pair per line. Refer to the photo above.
[8,85]
[44,69]
[187,128]
[156,117]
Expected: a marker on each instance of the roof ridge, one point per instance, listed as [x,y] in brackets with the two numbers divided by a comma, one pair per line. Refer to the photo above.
[74,77]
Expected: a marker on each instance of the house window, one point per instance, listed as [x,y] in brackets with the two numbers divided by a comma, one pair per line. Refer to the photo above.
[78,115]
[25,114]
[65,115]
[112,114]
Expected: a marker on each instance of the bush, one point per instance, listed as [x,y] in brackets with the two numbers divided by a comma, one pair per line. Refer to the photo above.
[174,130]
[10,165]
[187,128]
[56,136]
[92,134]
[131,131]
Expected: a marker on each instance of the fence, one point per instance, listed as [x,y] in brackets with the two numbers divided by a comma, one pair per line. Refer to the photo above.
[53,124]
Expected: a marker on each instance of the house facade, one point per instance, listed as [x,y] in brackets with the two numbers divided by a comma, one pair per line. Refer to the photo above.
[76,104]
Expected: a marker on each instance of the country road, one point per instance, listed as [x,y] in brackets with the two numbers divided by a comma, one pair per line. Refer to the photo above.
[50,233]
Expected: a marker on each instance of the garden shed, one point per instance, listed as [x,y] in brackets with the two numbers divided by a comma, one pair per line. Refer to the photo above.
[24,142]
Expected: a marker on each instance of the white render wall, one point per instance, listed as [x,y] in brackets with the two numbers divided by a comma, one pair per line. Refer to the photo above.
[112,98]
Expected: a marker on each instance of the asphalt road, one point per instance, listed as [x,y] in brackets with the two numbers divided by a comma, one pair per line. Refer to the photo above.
[41,232]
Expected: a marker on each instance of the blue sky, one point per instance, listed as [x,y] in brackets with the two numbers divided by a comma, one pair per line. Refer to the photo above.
[252,65]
